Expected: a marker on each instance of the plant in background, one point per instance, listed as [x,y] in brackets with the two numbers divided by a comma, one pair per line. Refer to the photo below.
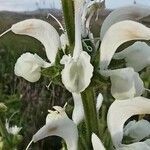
[10,137]
[96,123]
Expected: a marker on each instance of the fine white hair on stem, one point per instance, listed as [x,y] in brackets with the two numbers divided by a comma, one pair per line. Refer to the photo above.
[5,32]
[48,86]
[29,145]
[89,48]
[61,27]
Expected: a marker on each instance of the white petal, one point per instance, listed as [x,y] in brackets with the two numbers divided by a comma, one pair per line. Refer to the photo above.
[120,111]
[42,31]
[138,130]
[133,12]
[138,84]
[147,142]
[78,111]
[64,41]
[77,74]
[99,101]
[28,68]
[125,83]
[118,34]
[135,146]
[41,62]
[128,126]
[13,129]
[96,142]
[78,6]
[132,54]
[66,59]
[58,123]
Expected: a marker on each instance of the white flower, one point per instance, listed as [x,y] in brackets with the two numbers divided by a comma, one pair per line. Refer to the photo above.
[118,34]
[125,83]
[120,111]
[29,66]
[90,8]
[133,12]
[137,130]
[136,56]
[78,112]
[58,123]
[78,71]
[12,130]
[42,31]
[76,75]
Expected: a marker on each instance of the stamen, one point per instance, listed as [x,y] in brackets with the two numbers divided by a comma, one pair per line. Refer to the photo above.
[61,27]
[49,85]
[29,145]
[5,32]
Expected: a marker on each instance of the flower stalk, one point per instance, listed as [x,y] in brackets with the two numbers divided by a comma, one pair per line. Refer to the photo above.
[91,119]
[67,6]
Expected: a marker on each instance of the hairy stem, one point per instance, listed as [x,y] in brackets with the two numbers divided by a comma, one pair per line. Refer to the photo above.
[91,120]
[68,12]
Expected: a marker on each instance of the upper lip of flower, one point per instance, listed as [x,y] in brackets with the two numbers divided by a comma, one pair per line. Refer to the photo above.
[123,31]
[57,123]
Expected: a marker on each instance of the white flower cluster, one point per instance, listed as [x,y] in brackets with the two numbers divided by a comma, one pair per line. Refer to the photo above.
[126,85]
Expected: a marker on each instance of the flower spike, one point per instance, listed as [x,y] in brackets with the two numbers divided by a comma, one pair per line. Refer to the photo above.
[29,66]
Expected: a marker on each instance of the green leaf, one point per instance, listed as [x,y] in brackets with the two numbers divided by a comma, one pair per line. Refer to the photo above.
[51,72]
